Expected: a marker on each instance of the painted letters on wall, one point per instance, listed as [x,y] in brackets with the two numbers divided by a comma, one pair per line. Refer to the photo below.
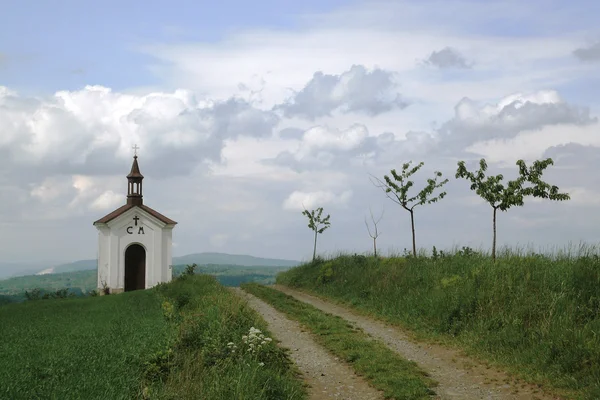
[140,229]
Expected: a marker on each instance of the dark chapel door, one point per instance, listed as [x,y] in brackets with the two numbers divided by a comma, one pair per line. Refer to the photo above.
[135,268]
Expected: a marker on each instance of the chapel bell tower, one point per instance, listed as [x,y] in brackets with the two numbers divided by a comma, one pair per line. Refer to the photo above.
[134,184]
[134,242]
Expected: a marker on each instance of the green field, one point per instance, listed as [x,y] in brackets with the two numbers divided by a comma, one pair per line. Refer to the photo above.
[537,316]
[169,342]
[83,348]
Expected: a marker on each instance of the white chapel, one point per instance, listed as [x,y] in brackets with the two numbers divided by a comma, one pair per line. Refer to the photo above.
[134,242]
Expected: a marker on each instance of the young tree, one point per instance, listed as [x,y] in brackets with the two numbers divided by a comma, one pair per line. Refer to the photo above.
[376,232]
[500,197]
[398,192]
[315,222]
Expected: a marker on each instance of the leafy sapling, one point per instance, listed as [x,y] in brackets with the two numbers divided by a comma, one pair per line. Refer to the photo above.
[316,224]
[376,231]
[500,197]
[397,191]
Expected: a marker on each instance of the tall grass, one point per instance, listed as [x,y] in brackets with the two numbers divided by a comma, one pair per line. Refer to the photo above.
[537,314]
[209,358]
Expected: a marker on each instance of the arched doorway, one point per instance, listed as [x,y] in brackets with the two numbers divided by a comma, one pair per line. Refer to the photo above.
[135,268]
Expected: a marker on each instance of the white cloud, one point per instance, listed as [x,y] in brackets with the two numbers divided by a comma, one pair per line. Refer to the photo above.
[531,144]
[107,201]
[513,114]
[324,147]
[298,200]
[354,91]
[48,190]
[83,131]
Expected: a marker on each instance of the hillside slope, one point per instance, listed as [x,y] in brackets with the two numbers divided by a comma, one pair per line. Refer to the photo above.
[534,315]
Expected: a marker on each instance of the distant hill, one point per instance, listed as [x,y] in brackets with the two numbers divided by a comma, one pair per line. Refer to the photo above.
[81,265]
[233,259]
[198,258]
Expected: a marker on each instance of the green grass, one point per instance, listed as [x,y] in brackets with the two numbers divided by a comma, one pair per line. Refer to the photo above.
[536,315]
[397,377]
[202,365]
[169,342]
[90,348]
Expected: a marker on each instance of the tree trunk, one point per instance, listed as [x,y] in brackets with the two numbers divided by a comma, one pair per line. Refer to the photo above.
[412,223]
[315,248]
[375,247]
[494,238]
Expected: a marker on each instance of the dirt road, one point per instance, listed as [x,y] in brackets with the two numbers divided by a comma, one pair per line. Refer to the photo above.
[458,376]
[327,377]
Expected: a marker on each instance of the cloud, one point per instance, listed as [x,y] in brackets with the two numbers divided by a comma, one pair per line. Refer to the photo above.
[518,125]
[447,58]
[515,113]
[327,147]
[354,91]
[84,131]
[541,142]
[298,200]
[107,201]
[590,53]
[291,133]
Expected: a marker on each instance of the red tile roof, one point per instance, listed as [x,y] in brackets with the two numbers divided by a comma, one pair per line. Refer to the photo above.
[114,214]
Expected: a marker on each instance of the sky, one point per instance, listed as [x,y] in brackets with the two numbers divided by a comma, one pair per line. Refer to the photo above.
[246,112]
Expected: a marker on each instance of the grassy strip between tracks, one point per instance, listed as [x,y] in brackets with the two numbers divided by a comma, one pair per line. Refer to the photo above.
[397,377]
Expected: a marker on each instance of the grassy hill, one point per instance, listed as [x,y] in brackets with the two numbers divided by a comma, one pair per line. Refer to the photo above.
[163,343]
[537,316]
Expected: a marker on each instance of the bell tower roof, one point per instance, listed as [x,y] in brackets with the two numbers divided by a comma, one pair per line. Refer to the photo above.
[135,170]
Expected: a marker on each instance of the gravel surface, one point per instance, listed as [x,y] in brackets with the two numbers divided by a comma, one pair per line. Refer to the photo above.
[327,377]
[459,377]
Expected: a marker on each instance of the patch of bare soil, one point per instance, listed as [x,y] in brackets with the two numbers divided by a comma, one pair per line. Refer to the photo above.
[326,376]
[459,377]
